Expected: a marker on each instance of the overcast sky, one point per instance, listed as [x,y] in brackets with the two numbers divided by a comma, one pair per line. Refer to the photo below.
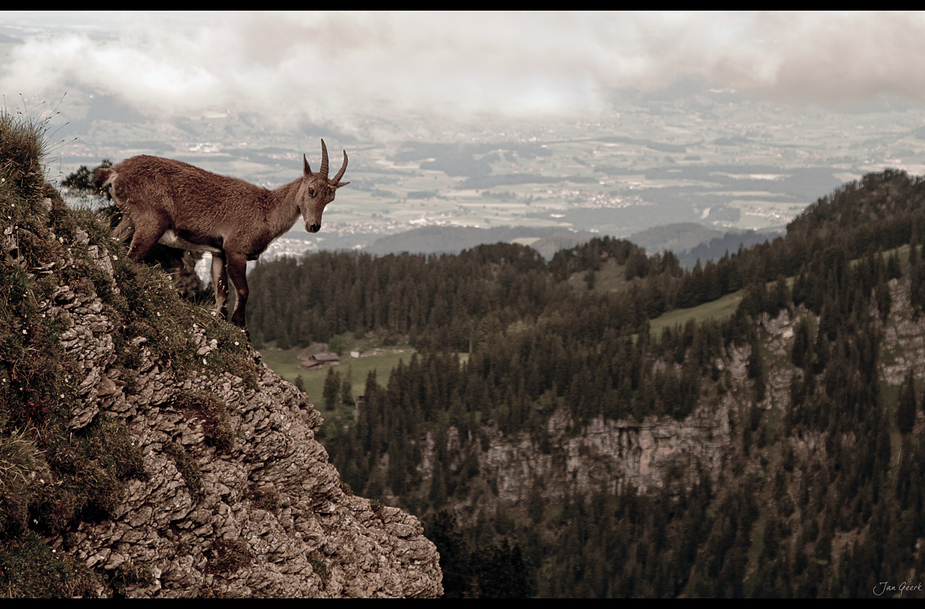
[339,66]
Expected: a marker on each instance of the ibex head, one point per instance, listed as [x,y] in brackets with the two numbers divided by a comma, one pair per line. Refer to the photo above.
[317,190]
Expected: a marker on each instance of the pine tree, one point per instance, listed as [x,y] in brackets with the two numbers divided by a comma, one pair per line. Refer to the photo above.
[346,391]
[755,367]
[800,354]
[455,559]
[908,404]
[331,389]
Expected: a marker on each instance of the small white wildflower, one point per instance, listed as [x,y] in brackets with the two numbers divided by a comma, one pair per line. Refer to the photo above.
[204,362]
[236,343]
[25,332]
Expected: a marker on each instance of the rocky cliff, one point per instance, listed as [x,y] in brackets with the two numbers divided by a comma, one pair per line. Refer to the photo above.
[609,455]
[230,494]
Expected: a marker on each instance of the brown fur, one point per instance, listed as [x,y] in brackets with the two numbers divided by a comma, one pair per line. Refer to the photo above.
[189,208]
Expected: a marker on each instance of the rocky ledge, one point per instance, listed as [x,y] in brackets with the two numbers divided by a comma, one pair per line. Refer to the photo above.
[237,498]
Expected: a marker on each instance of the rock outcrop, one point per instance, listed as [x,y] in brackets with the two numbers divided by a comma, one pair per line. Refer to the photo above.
[607,455]
[237,497]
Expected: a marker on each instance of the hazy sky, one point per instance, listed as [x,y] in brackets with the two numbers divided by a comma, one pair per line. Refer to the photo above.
[339,66]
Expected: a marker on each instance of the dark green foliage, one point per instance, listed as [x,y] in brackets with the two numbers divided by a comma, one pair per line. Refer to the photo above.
[52,478]
[81,181]
[503,573]
[779,533]
[266,498]
[907,407]
[320,567]
[756,369]
[346,388]
[129,574]
[455,557]
[332,389]
[498,571]
[801,352]
[22,150]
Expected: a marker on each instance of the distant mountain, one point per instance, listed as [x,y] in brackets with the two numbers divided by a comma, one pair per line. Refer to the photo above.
[730,243]
[691,241]
[679,237]
[454,239]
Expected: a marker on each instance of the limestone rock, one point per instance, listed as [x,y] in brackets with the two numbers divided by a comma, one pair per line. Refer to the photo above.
[261,515]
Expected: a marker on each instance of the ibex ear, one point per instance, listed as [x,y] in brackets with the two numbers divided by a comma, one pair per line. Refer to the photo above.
[339,184]
[306,170]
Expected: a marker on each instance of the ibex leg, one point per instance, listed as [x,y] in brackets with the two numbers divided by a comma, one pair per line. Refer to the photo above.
[220,284]
[237,272]
[125,230]
[148,230]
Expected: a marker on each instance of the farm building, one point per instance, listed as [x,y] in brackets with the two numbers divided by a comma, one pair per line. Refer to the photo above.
[320,359]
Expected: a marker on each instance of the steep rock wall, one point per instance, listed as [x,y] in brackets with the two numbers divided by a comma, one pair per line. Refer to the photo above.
[239,498]
[608,455]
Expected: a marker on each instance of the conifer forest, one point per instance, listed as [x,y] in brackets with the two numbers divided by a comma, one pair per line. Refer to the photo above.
[819,491]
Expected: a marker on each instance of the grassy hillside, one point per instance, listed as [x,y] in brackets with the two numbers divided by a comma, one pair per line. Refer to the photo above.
[381,360]
[717,310]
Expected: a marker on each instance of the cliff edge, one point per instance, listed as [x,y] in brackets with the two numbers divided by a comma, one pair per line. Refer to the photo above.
[182,466]
[240,498]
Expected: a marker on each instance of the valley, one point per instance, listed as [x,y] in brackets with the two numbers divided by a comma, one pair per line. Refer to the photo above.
[717,159]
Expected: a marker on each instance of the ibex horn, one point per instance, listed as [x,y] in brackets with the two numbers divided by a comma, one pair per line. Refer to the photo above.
[324,160]
[340,174]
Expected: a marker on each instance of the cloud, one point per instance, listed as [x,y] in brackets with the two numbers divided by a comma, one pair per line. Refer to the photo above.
[343,66]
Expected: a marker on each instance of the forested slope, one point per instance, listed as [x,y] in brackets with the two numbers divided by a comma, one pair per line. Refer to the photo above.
[810,394]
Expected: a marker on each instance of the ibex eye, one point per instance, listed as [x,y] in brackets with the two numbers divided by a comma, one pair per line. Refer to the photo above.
[311,192]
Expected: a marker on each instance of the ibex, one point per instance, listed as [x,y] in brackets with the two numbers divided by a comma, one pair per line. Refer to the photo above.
[185,207]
